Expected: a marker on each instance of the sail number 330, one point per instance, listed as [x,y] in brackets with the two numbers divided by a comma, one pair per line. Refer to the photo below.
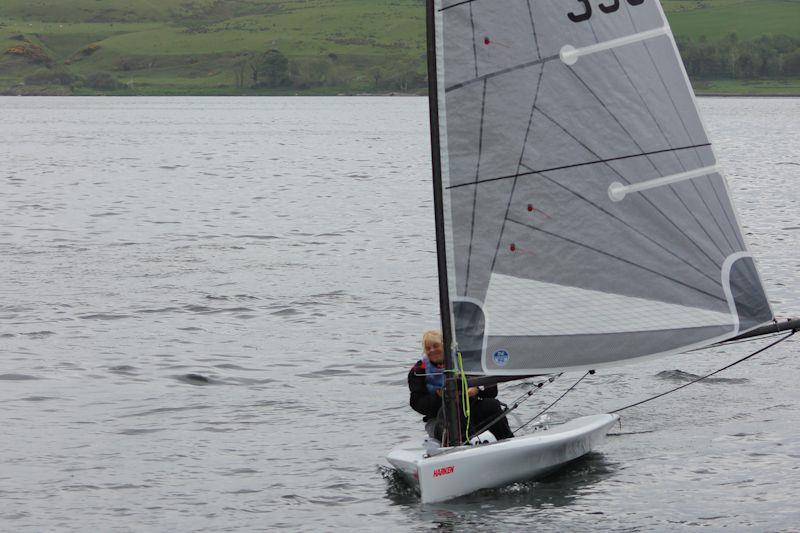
[608,6]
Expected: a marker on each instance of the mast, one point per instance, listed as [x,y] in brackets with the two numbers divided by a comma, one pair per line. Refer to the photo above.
[450,398]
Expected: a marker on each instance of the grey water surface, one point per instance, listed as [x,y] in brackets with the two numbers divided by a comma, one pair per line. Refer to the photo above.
[208,307]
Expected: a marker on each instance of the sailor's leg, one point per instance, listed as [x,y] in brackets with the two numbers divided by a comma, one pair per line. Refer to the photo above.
[486,409]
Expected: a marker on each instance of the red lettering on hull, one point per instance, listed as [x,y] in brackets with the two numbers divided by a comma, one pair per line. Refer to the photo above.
[444,471]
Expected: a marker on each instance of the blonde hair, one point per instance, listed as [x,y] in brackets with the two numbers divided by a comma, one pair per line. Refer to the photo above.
[432,335]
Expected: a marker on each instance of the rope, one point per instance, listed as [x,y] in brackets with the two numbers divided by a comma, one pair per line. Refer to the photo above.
[464,394]
[706,376]
[555,402]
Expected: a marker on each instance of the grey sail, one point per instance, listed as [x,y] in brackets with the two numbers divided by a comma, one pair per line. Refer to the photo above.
[586,221]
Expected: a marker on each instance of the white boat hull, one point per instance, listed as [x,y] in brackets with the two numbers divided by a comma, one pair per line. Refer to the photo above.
[466,469]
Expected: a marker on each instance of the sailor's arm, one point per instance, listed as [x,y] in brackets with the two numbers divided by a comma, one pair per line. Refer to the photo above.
[421,400]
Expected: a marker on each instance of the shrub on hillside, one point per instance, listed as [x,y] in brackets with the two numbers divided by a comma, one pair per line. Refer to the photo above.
[102,81]
[33,53]
[50,77]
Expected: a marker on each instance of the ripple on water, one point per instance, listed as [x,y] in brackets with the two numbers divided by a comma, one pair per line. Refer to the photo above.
[38,334]
[140,431]
[195,379]
[104,316]
[288,311]
[166,410]
[17,377]
[39,398]
[123,369]
[680,375]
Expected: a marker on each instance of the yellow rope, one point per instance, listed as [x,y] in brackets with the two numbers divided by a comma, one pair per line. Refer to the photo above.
[464,393]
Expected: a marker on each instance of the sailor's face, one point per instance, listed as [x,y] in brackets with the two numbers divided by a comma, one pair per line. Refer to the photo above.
[435,352]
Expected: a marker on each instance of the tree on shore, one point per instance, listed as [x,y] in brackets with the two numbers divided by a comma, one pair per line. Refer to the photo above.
[271,69]
[769,56]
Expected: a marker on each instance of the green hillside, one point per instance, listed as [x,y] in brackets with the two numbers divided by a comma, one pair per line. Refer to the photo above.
[319,46]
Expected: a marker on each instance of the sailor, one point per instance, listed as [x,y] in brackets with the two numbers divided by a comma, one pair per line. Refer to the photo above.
[426,383]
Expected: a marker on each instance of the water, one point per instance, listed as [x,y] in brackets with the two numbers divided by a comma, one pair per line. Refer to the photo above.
[208,307]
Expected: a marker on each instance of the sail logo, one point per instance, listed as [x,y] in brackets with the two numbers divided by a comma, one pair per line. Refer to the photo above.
[444,471]
[501,357]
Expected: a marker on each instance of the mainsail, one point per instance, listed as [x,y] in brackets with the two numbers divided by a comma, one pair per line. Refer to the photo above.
[585,220]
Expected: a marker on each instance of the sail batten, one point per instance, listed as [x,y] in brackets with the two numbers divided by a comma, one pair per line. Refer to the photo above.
[578,180]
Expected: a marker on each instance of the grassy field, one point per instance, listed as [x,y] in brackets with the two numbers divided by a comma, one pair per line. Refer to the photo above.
[196,46]
[333,46]
[748,19]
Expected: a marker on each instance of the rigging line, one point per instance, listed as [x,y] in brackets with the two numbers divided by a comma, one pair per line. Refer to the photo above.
[743,359]
[642,196]
[533,28]
[501,72]
[683,123]
[519,165]
[516,404]
[543,411]
[475,192]
[680,161]
[679,282]
[633,228]
[575,165]
[536,386]
[655,167]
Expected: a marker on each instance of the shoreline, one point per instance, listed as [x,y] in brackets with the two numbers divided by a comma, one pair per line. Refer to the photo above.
[284,95]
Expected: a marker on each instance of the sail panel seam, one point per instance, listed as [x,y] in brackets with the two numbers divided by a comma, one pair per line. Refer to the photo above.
[588,163]
[677,157]
[475,192]
[655,167]
[646,46]
[647,269]
[519,165]
[500,73]
[651,239]
[456,5]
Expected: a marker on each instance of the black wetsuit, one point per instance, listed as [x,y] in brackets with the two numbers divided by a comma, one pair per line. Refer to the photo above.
[483,407]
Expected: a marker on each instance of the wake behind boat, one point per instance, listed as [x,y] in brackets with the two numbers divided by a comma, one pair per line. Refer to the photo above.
[581,218]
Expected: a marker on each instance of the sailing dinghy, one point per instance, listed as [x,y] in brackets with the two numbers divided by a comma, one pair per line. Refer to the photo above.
[581,217]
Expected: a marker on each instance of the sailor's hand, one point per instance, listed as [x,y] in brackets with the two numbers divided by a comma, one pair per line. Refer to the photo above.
[439,392]
[472,391]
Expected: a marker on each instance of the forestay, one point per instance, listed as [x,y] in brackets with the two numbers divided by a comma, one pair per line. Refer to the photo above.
[586,221]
